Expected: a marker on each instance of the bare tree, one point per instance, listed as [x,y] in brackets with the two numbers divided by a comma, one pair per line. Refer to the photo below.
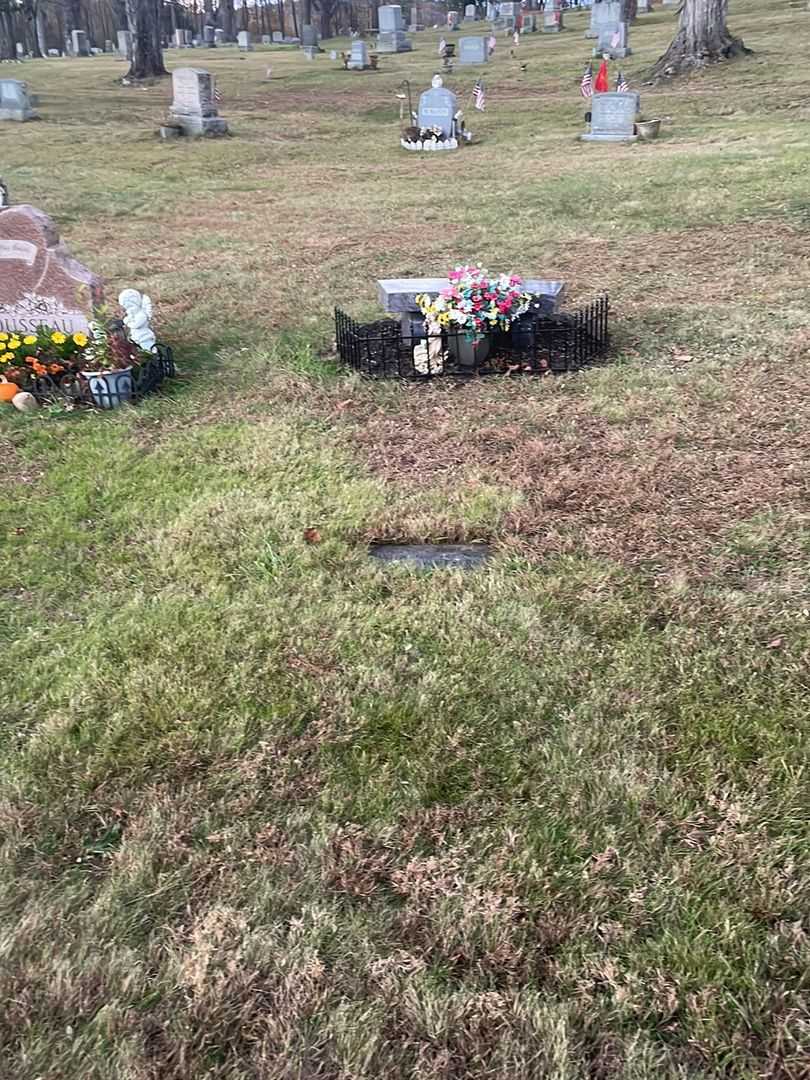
[144,18]
[228,19]
[702,38]
[629,11]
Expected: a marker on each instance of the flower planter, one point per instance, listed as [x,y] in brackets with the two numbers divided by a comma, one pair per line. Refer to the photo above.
[110,388]
[648,129]
[469,354]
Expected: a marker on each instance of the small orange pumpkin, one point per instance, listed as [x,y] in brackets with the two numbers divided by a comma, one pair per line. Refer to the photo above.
[8,390]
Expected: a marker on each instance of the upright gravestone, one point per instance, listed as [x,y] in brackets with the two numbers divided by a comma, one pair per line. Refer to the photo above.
[492,11]
[108,46]
[78,43]
[208,37]
[15,101]
[470,13]
[358,60]
[392,37]
[452,20]
[193,106]
[309,36]
[605,15]
[267,39]
[552,20]
[613,118]
[529,23]
[243,40]
[39,281]
[473,50]
[437,108]
[644,7]
[278,37]
[219,36]
[179,39]
[612,42]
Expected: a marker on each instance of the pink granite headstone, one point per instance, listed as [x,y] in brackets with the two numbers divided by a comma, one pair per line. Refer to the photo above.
[40,282]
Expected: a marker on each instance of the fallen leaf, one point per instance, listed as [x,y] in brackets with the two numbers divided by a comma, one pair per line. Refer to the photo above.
[312,536]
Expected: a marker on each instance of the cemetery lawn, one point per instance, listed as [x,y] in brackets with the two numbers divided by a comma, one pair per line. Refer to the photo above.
[271,810]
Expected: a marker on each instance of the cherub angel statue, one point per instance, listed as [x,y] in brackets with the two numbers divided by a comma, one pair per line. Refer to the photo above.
[138,308]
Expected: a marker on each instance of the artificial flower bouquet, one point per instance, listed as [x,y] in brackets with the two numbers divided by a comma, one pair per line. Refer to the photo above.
[475,302]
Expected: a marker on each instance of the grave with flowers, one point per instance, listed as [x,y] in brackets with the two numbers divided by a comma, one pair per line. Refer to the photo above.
[473,323]
[56,343]
[439,121]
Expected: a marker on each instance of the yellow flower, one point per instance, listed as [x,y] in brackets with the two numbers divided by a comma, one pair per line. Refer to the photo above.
[30,339]
[80,340]
[7,356]
[58,338]
[3,337]
[14,343]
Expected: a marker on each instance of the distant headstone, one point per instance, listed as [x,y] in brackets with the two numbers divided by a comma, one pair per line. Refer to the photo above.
[78,42]
[15,101]
[243,40]
[492,11]
[39,281]
[19,48]
[612,42]
[529,23]
[437,107]
[452,19]
[392,37]
[108,46]
[193,106]
[358,60]
[604,15]
[278,37]
[473,50]
[309,36]
[209,37]
[644,7]
[389,18]
[266,39]
[179,39]
[219,36]
[470,13]
[613,118]
[54,52]
[552,17]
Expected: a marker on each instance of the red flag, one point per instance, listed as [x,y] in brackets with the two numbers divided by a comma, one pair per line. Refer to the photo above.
[601,86]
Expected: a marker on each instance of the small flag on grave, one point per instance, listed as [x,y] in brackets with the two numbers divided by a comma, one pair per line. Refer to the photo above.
[586,85]
[516,38]
[622,85]
[601,86]
[217,96]
[480,95]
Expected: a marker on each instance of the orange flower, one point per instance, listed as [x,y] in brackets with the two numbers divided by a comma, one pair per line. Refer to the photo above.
[55,368]
[40,369]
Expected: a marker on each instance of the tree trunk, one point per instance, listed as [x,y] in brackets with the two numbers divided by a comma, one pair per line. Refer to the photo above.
[42,31]
[629,11]
[702,38]
[7,50]
[73,15]
[228,21]
[306,12]
[144,17]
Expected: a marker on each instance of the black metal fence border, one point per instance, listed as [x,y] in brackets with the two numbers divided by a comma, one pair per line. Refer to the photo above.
[74,389]
[537,343]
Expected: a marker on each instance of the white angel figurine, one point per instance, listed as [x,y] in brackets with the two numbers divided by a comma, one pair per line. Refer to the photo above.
[138,308]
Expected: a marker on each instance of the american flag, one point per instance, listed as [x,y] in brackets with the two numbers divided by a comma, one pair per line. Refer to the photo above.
[622,85]
[217,96]
[586,86]
[442,47]
[480,96]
